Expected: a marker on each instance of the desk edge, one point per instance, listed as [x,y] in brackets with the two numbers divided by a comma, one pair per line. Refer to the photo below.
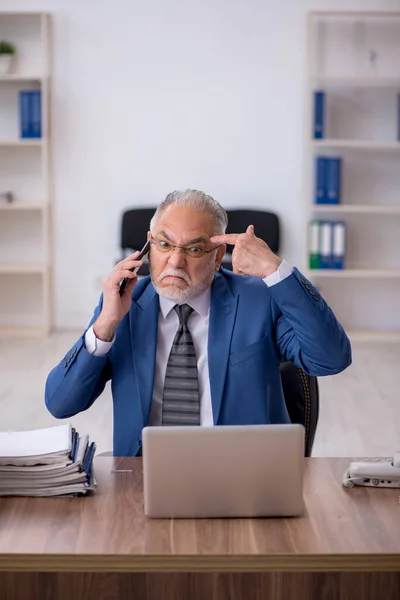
[198,563]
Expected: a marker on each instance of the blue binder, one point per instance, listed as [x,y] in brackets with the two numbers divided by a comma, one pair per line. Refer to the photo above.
[398,117]
[320,180]
[36,113]
[24,114]
[338,244]
[319,115]
[88,461]
[333,180]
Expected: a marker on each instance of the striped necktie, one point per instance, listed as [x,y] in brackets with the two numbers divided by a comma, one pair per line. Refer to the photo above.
[181,400]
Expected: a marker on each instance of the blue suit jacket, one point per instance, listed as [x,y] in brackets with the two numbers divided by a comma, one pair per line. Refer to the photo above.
[252,328]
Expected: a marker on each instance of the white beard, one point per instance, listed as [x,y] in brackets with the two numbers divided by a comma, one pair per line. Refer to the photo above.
[175,293]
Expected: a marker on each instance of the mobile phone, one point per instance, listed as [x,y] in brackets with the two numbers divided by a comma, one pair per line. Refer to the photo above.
[126,280]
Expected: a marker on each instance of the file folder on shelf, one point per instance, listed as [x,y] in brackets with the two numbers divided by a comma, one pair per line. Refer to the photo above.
[333,179]
[36,113]
[25,124]
[328,172]
[326,244]
[338,244]
[314,245]
[30,113]
[398,117]
[319,115]
[320,180]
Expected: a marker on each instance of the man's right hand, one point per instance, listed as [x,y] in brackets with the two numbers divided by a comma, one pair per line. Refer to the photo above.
[115,306]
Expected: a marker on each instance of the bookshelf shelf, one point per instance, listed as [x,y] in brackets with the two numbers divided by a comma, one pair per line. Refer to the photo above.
[357,82]
[367,209]
[355,14]
[21,143]
[360,335]
[355,273]
[22,332]
[11,206]
[357,145]
[23,268]
[23,77]
[25,171]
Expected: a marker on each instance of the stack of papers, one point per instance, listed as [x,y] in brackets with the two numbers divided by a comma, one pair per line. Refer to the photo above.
[55,461]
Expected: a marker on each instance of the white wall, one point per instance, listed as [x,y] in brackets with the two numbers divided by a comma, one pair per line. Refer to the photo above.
[158,95]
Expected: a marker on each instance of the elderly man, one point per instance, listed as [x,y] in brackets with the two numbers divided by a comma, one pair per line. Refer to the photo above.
[195,344]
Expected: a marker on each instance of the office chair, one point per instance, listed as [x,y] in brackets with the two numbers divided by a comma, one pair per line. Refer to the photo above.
[134,227]
[301,394]
[266,225]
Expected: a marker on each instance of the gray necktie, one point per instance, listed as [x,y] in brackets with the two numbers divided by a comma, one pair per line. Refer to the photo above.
[181,401]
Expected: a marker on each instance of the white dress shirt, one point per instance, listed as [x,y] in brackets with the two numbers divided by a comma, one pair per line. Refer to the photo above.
[168,323]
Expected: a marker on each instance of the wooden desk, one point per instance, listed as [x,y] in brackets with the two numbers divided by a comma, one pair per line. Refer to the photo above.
[346,545]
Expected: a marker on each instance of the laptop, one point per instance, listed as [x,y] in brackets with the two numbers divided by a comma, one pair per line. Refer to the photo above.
[224,471]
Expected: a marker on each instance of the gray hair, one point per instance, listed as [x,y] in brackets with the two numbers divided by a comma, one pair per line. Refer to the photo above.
[199,201]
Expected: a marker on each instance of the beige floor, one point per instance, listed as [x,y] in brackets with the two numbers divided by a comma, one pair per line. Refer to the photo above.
[360,408]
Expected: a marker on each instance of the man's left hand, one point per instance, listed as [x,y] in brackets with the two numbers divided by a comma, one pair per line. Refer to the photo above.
[251,255]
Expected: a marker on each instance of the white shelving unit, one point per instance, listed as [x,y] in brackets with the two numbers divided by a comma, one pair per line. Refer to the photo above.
[357,145]
[25,170]
[353,273]
[353,57]
[361,209]
[22,206]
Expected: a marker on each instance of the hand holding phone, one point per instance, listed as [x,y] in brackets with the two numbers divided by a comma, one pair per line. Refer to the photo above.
[115,303]
[126,280]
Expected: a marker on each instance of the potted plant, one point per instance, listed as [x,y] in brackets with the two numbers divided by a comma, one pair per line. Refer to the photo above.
[7,52]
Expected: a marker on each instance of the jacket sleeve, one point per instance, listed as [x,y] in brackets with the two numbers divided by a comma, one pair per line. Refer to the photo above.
[307,331]
[78,379]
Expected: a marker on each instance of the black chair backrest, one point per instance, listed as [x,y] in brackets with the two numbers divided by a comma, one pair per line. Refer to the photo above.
[134,227]
[266,225]
[302,400]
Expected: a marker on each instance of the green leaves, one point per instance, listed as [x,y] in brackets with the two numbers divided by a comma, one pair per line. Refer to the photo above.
[6,48]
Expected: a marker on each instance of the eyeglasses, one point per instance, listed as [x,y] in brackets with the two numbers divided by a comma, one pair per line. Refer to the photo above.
[192,251]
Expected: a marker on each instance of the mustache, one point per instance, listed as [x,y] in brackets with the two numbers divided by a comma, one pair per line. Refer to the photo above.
[175,273]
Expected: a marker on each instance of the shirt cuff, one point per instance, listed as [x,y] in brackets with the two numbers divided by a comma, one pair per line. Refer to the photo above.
[283,271]
[95,346]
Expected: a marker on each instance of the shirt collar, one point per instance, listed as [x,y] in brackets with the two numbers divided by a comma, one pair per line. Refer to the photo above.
[200,303]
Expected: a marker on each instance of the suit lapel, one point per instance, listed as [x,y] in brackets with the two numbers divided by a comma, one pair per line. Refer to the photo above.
[222,317]
[144,327]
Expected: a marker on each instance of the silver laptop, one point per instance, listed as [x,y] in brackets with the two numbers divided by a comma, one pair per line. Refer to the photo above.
[225,471]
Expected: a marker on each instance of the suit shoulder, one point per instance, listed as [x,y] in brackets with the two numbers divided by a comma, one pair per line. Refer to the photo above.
[240,284]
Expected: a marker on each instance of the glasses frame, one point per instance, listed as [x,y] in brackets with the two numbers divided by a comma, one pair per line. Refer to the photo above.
[184,248]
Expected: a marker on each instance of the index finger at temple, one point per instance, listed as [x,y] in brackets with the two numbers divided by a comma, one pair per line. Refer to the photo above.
[228,238]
